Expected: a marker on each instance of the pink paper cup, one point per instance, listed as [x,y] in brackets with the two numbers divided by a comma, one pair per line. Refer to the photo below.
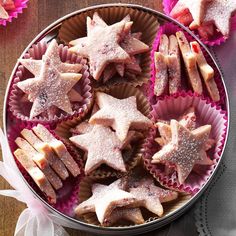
[21,109]
[67,196]
[169,29]
[218,39]
[207,113]
[19,6]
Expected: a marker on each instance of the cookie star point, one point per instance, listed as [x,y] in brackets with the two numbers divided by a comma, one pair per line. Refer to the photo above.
[104,199]
[120,114]
[107,48]
[196,8]
[219,12]
[52,82]
[185,149]
[108,153]
[152,196]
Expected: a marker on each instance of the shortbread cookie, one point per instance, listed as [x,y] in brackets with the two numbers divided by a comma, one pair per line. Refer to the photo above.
[36,174]
[107,48]
[44,148]
[103,147]
[196,8]
[190,62]
[206,71]
[59,148]
[152,196]
[41,162]
[174,65]
[48,79]
[161,75]
[185,149]
[120,114]
[105,199]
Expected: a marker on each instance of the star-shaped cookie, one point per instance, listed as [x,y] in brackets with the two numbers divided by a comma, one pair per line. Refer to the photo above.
[152,196]
[120,114]
[52,52]
[185,149]
[107,49]
[49,88]
[102,145]
[130,42]
[105,199]
[219,12]
[196,8]
[187,120]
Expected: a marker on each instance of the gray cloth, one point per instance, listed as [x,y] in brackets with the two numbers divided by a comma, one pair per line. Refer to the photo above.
[216,212]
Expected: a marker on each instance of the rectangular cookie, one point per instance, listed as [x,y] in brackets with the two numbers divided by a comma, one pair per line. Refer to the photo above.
[174,65]
[161,76]
[44,148]
[164,45]
[41,162]
[190,62]
[206,70]
[59,147]
[36,174]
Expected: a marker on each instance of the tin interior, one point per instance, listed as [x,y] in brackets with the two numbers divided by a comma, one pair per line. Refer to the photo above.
[48,34]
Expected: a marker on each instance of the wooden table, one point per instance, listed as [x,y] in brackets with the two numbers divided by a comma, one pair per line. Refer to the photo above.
[13,39]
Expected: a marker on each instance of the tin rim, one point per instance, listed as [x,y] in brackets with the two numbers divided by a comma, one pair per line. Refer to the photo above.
[148,226]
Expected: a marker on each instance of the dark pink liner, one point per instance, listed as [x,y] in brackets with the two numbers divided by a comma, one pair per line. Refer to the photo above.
[178,104]
[168,5]
[13,14]
[168,29]
[67,196]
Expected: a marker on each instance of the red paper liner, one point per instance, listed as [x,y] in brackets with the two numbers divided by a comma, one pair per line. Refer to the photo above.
[218,39]
[171,28]
[13,14]
[208,113]
[67,196]
[21,110]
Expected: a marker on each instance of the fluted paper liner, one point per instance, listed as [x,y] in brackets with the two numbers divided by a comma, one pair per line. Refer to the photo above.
[171,28]
[20,5]
[66,196]
[75,27]
[207,113]
[91,218]
[131,159]
[218,38]
[21,110]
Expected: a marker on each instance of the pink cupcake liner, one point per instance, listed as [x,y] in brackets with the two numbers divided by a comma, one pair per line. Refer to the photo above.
[21,110]
[19,6]
[168,29]
[67,196]
[207,113]
[168,5]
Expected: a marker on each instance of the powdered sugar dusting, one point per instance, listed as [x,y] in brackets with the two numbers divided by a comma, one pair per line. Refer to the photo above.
[151,195]
[50,86]
[104,200]
[220,12]
[120,114]
[103,146]
[185,149]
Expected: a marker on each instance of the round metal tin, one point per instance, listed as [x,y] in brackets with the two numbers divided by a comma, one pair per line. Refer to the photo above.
[51,32]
